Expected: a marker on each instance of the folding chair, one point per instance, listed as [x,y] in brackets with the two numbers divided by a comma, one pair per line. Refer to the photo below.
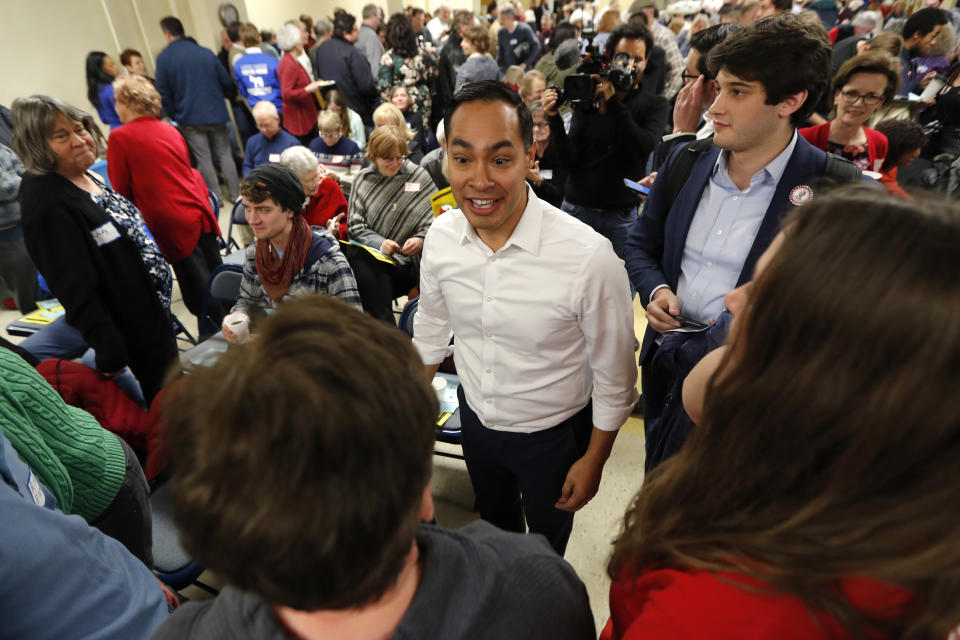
[223,287]
[237,216]
[215,207]
[171,563]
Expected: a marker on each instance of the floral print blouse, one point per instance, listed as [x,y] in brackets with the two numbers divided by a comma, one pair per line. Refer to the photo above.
[417,74]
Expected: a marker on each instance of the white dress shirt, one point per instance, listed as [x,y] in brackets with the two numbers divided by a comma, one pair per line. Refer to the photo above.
[542,325]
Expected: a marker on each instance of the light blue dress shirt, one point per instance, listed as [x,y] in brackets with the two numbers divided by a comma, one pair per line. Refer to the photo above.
[721,234]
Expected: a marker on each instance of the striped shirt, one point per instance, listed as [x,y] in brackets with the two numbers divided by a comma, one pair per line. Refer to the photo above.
[325,271]
[396,207]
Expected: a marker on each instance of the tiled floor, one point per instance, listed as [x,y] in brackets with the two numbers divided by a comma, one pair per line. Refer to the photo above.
[595,525]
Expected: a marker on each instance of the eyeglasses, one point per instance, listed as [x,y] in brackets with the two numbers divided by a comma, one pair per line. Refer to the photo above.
[541,125]
[689,77]
[395,159]
[330,134]
[851,96]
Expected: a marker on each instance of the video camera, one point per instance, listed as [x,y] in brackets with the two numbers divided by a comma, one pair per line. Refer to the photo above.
[579,89]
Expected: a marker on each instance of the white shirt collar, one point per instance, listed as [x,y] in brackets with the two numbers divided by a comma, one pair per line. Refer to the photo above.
[253,50]
[526,235]
[774,169]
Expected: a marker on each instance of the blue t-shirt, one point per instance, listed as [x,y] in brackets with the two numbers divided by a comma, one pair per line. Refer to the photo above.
[60,577]
[108,106]
[256,76]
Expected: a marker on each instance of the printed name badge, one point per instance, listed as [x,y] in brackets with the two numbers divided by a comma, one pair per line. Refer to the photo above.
[411,187]
[546,174]
[274,157]
[36,491]
[105,234]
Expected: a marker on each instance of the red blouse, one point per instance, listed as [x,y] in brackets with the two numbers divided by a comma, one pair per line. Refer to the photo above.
[299,107]
[149,165]
[689,604]
[325,204]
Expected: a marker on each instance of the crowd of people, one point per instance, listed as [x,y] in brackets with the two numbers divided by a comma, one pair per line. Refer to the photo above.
[774,183]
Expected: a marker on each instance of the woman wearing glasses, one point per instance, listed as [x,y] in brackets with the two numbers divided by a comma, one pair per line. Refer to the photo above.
[863,84]
[389,211]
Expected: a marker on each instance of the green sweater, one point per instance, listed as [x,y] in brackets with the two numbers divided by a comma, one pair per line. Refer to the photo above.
[79,461]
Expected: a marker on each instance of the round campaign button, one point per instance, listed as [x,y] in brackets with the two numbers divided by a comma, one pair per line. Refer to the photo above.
[801,194]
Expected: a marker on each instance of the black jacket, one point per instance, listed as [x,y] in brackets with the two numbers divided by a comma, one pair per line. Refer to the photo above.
[340,61]
[104,288]
[603,149]
[554,176]
[451,57]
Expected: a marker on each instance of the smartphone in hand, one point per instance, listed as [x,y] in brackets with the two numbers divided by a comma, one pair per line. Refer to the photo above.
[636,186]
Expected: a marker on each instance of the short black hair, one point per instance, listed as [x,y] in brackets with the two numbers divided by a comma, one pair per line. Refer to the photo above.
[783,54]
[706,40]
[343,24]
[491,91]
[902,136]
[561,33]
[172,26]
[233,31]
[629,31]
[923,22]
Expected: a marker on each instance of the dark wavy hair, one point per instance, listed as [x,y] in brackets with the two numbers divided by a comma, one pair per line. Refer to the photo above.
[830,437]
[401,39]
[96,77]
[561,33]
[766,49]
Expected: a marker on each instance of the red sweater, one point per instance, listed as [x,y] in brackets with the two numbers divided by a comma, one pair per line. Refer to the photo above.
[876,142]
[667,604]
[299,107]
[149,165]
[325,204]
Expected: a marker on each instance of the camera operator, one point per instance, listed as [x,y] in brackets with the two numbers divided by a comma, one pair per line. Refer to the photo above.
[609,143]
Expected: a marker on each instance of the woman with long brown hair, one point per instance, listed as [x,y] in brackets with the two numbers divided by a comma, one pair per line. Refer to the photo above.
[817,496]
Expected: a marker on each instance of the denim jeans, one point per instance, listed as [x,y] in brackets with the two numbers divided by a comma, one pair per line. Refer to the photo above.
[613,224]
[60,340]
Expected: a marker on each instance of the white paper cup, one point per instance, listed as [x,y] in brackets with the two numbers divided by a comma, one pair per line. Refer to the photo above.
[932,90]
[439,387]
[239,324]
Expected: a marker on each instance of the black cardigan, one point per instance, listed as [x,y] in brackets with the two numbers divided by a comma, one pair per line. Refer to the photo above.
[106,290]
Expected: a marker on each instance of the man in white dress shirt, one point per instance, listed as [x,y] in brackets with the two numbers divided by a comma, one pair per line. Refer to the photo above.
[540,307]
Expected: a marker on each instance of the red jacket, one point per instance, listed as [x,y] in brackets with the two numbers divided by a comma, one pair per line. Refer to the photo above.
[325,204]
[672,604]
[889,180]
[299,107]
[149,165]
[876,142]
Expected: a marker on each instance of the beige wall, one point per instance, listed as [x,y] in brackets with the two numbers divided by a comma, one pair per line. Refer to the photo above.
[53,62]
[273,13]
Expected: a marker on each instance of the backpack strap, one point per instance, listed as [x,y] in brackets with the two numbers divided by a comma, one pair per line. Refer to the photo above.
[841,170]
[682,167]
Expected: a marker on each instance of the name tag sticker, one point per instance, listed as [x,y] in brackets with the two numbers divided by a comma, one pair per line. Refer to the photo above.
[36,491]
[105,234]
[514,41]
[336,159]
[411,187]
[274,157]
[546,174]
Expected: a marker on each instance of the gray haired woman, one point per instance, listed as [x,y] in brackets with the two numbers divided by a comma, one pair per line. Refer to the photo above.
[296,88]
[325,206]
[91,245]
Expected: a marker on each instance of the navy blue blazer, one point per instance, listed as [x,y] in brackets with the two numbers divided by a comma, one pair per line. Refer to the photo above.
[657,237]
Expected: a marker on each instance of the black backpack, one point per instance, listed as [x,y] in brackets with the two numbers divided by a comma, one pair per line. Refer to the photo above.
[838,170]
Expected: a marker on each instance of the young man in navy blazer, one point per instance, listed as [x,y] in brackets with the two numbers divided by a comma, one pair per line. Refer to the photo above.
[684,255]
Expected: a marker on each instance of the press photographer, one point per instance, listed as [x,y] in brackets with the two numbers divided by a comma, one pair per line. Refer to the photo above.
[615,128]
